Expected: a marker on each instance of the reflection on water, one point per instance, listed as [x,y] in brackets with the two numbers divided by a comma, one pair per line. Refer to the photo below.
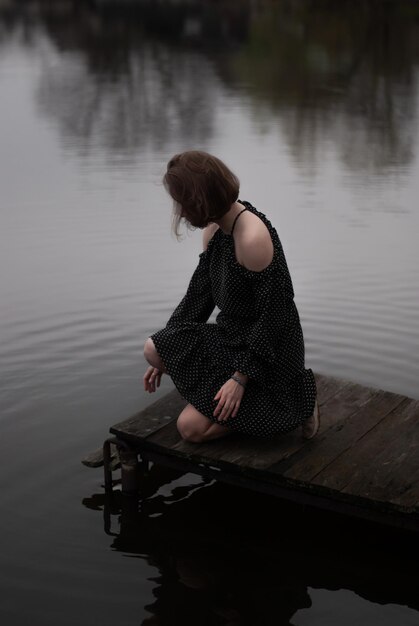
[219,560]
[344,74]
[315,106]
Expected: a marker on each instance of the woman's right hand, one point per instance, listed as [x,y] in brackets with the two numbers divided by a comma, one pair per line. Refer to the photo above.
[151,378]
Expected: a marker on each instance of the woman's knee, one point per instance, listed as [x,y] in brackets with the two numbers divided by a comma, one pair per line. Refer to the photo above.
[192,425]
[149,350]
[152,356]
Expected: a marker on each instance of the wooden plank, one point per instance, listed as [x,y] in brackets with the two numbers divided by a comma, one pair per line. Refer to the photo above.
[169,439]
[247,451]
[329,386]
[148,421]
[409,498]
[95,459]
[309,461]
[166,437]
[363,459]
[288,490]
[345,400]
[387,459]
[236,449]
[151,418]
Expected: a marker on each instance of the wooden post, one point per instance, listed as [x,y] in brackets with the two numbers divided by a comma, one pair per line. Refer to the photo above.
[130,469]
[107,463]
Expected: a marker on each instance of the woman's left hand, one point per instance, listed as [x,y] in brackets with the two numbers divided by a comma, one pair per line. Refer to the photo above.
[229,399]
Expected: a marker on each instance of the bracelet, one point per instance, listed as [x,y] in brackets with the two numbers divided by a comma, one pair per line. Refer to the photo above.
[237,379]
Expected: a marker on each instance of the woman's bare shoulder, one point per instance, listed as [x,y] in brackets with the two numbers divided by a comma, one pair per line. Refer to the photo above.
[253,243]
[207,233]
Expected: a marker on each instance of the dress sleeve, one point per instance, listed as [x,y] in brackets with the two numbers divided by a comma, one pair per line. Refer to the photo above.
[198,303]
[274,307]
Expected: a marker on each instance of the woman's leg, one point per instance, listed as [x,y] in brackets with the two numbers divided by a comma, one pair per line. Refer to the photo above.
[194,426]
[152,356]
[191,424]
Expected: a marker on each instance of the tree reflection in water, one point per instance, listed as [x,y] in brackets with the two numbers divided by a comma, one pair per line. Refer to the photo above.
[229,556]
[341,72]
[156,73]
[162,97]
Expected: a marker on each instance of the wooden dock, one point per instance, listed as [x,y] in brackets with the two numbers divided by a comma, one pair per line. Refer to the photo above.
[364,461]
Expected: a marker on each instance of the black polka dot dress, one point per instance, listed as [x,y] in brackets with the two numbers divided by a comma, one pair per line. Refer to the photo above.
[257,332]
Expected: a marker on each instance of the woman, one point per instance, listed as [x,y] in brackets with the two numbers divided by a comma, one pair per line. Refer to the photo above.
[245,373]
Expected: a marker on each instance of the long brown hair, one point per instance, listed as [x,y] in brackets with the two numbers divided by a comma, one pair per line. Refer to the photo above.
[203,188]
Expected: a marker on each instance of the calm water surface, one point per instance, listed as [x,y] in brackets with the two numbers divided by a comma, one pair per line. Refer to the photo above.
[315,107]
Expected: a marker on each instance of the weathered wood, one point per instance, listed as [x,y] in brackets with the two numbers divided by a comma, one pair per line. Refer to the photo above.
[270,451]
[364,461]
[244,450]
[339,473]
[130,470]
[388,474]
[341,436]
[153,417]
[95,459]
[329,386]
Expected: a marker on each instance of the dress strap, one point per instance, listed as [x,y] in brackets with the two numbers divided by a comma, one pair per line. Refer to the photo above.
[235,219]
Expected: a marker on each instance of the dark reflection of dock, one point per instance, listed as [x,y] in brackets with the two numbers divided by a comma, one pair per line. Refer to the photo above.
[242,558]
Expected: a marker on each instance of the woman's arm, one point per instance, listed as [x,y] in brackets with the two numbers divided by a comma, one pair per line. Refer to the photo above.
[198,302]
[258,258]
[274,310]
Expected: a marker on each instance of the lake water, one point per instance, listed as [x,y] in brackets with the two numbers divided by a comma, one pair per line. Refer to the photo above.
[315,107]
